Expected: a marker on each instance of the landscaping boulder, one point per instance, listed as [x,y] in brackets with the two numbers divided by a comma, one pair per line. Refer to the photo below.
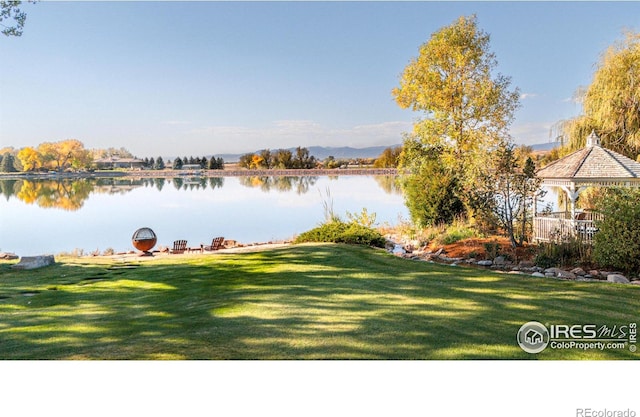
[578,271]
[525,264]
[499,260]
[8,256]
[485,263]
[33,262]
[620,279]
[538,274]
[565,274]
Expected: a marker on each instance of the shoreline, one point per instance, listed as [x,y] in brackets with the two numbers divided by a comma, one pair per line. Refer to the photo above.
[204,173]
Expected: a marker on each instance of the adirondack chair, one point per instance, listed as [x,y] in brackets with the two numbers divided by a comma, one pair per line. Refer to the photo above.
[179,246]
[216,244]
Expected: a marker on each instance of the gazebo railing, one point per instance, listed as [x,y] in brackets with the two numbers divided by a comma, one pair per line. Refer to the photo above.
[561,226]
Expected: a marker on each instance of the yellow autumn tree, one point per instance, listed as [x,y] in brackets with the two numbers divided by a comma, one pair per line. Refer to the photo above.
[467,109]
[65,154]
[30,158]
[256,162]
[611,103]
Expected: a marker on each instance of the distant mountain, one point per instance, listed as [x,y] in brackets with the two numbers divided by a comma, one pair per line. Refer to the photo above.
[322,152]
[545,146]
[346,152]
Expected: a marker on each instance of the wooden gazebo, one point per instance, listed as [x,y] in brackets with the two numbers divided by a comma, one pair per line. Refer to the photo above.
[591,166]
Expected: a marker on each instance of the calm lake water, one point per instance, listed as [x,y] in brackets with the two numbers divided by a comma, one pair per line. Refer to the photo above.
[41,217]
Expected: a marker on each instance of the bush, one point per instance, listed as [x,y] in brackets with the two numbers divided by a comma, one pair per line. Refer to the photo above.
[340,232]
[456,233]
[567,252]
[617,243]
[492,249]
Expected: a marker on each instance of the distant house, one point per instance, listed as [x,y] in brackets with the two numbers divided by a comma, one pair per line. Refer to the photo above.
[115,162]
[191,167]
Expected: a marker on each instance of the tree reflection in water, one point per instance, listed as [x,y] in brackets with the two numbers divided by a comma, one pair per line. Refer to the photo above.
[70,194]
[300,184]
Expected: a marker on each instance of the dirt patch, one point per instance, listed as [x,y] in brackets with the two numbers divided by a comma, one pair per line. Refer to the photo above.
[486,248]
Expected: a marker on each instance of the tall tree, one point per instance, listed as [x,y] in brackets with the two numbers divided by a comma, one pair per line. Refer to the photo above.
[611,104]
[283,159]
[389,158]
[30,158]
[267,158]
[302,159]
[65,154]
[245,160]
[159,165]
[10,12]
[507,191]
[7,163]
[467,108]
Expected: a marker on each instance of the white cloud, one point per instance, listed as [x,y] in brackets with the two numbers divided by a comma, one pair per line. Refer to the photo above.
[531,133]
[289,133]
[525,96]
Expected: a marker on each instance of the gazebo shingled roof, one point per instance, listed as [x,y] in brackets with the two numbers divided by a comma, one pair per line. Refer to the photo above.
[592,165]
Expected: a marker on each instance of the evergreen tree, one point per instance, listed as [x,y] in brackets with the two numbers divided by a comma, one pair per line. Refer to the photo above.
[7,163]
[177,163]
[159,163]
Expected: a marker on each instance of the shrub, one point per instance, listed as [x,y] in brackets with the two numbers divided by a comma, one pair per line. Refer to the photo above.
[617,243]
[340,232]
[492,249]
[456,231]
[456,234]
[565,252]
[544,260]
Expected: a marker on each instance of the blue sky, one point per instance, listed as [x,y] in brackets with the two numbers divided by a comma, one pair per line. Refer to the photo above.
[200,78]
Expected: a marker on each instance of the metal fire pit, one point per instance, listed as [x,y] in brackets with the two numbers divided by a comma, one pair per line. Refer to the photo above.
[144,239]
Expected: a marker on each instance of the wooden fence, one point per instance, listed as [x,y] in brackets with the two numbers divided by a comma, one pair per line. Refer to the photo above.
[558,227]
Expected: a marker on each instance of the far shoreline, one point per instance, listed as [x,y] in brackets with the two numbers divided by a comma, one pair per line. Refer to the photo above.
[205,173]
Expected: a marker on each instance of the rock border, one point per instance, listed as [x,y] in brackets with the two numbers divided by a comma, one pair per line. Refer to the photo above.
[501,264]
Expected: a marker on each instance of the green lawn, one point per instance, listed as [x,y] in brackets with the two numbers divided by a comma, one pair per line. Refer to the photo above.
[298,302]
